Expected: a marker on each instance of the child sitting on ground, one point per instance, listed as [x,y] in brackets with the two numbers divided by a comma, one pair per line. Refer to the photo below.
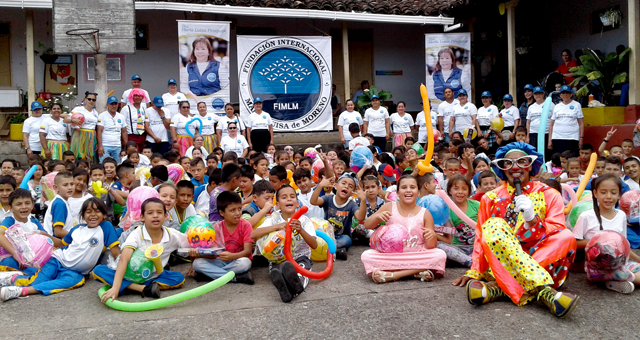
[83,246]
[237,242]
[245,186]
[58,220]
[229,180]
[631,167]
[302,178]
[461,247]
[371,188]
[283,274]
[198,170]
[80,182]
[487,181]
[183,208]
[260,205]
[202,194]
[572,177]
[153,215]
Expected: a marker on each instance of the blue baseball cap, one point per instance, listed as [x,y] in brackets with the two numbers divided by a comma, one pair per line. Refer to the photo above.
[538,89]
[257,100]
[486,94]
[36,106]
[528,87]
[136,77]
[157,101]
[374,96]
[462,92]
[172,81]
[565,88]
[507,97]
[112,99]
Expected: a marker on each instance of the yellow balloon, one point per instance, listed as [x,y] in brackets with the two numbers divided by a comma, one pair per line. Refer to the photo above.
[469,133]
[425,165]
[502,8]
[320,253]
[98,189]
[497,123]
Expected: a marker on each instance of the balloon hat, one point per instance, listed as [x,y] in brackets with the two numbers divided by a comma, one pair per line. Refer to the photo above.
[425,166]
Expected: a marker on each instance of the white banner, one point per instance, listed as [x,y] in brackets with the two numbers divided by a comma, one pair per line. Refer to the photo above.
[292,76]
[204,63]
[448,63]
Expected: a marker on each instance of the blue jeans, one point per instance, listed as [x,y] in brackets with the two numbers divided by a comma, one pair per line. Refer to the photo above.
[343,241]
[111,151]
[216,268]
[446,138]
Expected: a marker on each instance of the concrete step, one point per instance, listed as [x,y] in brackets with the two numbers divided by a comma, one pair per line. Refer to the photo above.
[13,150]
[303,140]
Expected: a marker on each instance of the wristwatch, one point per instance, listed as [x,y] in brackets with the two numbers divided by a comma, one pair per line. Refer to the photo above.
[27,148]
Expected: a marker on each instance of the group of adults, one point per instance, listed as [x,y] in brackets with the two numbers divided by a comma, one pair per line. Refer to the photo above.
[162,123]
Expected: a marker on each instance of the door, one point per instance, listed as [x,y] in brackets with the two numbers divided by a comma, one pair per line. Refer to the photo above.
[5,54]
[360,60]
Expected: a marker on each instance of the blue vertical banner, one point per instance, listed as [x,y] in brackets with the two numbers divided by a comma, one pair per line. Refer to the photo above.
[292,75]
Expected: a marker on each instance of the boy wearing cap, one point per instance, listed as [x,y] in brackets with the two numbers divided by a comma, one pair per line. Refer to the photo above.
[31,129]
[111,131]
[136,83]
[156,123]
[173,97]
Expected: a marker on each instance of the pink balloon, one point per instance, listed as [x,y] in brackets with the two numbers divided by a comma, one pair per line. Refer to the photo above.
[568,189]
[136,198]
[35,252]
[176,172]
[455,209]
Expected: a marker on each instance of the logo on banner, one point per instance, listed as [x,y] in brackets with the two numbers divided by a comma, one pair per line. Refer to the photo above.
[291,76]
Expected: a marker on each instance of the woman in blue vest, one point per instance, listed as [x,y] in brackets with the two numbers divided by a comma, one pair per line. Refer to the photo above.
[446,74]
[202,70]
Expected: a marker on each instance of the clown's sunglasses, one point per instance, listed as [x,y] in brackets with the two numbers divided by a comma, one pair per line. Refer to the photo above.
[508,163]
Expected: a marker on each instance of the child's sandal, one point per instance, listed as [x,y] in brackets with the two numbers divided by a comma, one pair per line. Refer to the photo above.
[425,276]
[381,276]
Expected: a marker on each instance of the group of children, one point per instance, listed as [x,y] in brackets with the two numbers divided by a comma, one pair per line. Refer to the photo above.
[247,199]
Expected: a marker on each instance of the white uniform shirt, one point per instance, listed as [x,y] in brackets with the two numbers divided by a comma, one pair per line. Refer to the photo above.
[54,130]
[422,125]
[565,117]
[345,119]
[587,225]
[90,117]
[156,123]
[171,240]
[180,123]
[171,102]
[130,114]
[358,141]
[31,126]
[259,121]
[486,115]
[85,246]
[445,110]
[401,124]
[112,128]
[236,145]
[224,121]
[510,115]
[377,121]
[464,116]
[208,123]
[189,152]
[535,113]
[125,97]
[48,216]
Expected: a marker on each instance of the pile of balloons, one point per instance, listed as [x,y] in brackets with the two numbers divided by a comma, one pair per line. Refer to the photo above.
[360,157]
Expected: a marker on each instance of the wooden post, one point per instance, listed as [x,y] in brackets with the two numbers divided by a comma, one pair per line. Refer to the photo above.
[31,68]
[345,60]
[101,82]
[511,45]
[634,43]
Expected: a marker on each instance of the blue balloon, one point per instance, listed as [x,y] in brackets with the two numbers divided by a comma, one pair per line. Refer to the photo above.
[330,244]
[360,156]
[189,123]
[542,128]
[27,177]
[437,207]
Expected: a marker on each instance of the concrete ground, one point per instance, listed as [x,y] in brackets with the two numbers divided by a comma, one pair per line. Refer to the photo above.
[346,305]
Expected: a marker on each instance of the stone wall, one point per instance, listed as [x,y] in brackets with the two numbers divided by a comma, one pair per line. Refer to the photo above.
[13,150]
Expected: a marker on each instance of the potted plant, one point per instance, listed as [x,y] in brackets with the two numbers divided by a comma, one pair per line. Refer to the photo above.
[16,122]
[364,101]
[611,17]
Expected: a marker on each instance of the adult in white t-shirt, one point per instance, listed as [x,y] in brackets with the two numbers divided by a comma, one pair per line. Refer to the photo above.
[111,131]
[181,139]
[567,126]
[83,138]
[260,127]
[223,122]
[208,128]
[345,119]
[31,129]
[401,123]
[534,114]
[486,113]
[510,115]
[464,115]
[445,111]
[172,98]
[53,134]
[234,142]
[156,123]
[136,83]
[376,122]
[421,125]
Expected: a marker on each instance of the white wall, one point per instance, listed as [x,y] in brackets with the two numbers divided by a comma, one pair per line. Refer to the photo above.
[571,27]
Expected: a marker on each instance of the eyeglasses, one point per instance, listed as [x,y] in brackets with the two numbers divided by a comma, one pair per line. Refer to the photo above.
[91,99]
[185,107]
[508,163]
[232,128]
[288,149]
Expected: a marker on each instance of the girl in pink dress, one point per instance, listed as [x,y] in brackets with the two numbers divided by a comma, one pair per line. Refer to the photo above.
[419,258]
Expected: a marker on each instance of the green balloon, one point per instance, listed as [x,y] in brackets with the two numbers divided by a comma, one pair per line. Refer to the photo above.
[581,207]
[418,148]
[194,221]
[140,268]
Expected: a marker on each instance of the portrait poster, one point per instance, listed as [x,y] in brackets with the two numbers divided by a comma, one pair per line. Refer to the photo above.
[448,64]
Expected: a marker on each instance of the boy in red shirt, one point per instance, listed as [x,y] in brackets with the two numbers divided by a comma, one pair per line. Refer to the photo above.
[237,256]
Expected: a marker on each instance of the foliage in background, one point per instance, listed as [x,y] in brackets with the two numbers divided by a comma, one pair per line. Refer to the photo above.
[67,100]
[601,72]
[364,101]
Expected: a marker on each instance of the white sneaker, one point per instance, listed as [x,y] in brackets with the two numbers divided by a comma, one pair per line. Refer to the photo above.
[624,287]
[8,293]
[5,278]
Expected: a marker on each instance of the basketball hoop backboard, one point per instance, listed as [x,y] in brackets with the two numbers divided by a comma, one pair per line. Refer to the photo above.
[114,20]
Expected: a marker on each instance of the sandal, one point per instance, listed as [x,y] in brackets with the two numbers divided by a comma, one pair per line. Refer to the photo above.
[382,277]
[425,276]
